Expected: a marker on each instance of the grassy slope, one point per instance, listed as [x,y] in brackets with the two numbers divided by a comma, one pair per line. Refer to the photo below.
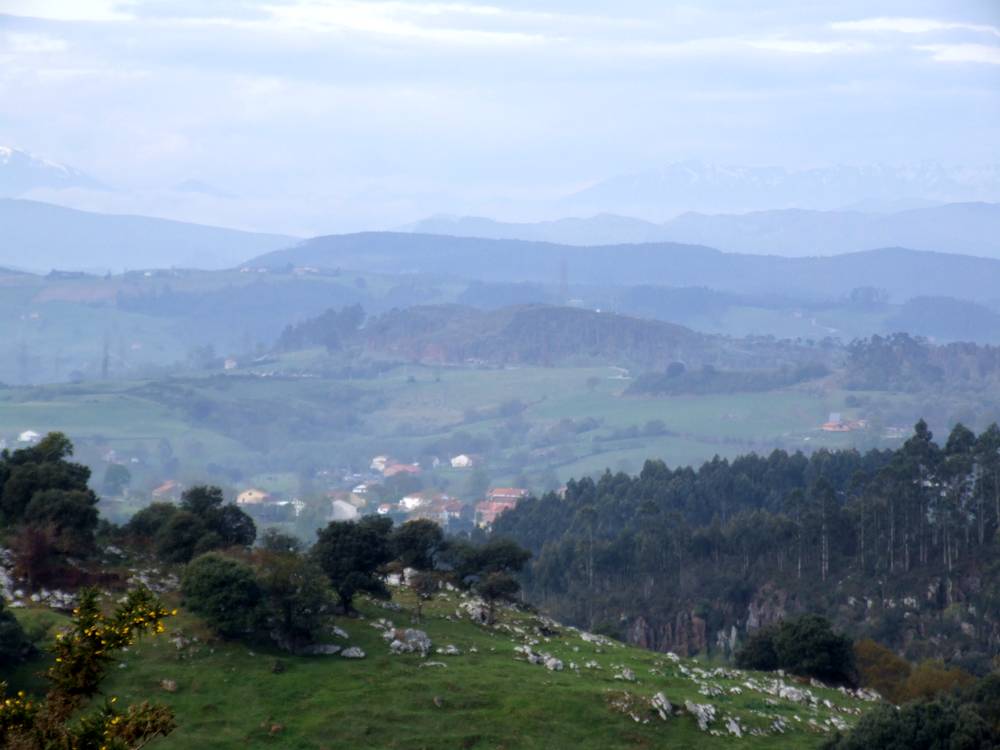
[228,696]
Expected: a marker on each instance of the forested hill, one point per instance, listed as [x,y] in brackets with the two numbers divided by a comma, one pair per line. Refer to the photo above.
[539,335]
[902,273]
[901,546]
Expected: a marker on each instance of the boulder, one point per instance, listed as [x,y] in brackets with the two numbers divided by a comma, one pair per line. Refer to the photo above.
[169,685]
[407,641]
[353,653]
[320,649]
[661,705]
[553,664]
[703,713]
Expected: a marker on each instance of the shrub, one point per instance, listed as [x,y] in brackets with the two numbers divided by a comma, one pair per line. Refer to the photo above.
[82,656]
[225,593]
[758,652]
[881,669]
[806,646]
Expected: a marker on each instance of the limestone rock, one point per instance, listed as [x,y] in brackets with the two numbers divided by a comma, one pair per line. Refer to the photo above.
[353,653]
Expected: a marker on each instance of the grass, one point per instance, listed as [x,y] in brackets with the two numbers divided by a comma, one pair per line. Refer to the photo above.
[229,695]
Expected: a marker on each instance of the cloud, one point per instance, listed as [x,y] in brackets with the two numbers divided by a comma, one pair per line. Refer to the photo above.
[31,44]
[67,10]
[903,25]
[963,53]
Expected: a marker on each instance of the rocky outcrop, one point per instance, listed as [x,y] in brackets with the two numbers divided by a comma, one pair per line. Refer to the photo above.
[686,634]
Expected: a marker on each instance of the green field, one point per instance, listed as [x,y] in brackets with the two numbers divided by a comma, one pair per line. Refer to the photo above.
[230,696]
[273,425]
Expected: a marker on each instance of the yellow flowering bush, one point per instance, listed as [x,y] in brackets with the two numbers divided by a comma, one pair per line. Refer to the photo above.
[82,655]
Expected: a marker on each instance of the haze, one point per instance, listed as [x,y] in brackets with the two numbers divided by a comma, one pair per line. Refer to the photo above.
[306,118]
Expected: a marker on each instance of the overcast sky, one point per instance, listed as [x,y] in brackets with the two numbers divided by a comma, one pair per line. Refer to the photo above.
[324,114]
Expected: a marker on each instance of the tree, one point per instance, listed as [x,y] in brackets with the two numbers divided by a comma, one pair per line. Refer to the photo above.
[82,656]
[117,478]
[416,544]
[70,514]
[145,525]
[350,553]
[225,593]
[200,524]
[496,587]
[234,527]
[296,597]
[178,538]
[276,541]
[424,585]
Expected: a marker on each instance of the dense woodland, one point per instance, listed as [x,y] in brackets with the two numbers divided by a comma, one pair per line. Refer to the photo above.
[901,545]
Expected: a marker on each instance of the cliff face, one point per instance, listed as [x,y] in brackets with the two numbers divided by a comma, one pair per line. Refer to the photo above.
[937,617]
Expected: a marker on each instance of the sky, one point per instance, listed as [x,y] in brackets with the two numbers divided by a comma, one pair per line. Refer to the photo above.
[330,115]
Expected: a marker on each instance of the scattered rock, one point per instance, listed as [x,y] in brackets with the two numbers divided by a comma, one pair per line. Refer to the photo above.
[353,653]
[169,685]
[624,673]
[433,664]
[553,664]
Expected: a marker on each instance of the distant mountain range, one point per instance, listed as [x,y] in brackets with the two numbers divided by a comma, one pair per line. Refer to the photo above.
[21,171]
[901,272]
[41,237]
[694,186]
[966,228]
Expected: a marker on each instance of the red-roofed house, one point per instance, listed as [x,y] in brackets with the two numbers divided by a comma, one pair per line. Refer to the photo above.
[487,511]
[506,493]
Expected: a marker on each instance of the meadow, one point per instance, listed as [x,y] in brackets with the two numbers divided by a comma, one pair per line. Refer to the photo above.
[231,695]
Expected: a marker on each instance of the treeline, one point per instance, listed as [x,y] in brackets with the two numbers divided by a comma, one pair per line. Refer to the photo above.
[901,362]
[677,380]
[674,558]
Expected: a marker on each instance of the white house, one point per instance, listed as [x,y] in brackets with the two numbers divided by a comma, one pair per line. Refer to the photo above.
[341,510]
[379,463]
[411,502]
[29,436]
[461,461]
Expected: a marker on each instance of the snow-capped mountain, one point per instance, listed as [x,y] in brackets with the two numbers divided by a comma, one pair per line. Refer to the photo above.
[21,171]
[695,186]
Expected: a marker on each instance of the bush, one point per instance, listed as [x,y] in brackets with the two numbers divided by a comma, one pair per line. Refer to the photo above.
[931,677]
[225,593]
[758,652]
[805,646]
[881,669]
[964,720]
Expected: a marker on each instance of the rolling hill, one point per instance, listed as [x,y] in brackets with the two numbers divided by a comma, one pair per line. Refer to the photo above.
[901,272]
[966,228]
[41,237]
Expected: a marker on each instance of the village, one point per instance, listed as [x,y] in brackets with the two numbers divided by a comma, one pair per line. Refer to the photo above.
[372,495]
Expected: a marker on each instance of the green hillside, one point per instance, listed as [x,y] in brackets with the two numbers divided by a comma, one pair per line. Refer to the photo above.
[488,695]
